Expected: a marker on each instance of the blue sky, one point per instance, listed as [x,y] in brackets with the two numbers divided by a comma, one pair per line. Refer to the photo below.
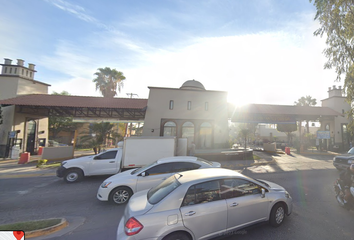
[260,51]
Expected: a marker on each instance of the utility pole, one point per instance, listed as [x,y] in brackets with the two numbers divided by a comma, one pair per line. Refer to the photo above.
[126,125]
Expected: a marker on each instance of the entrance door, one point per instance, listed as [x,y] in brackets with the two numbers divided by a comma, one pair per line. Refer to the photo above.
[31,136]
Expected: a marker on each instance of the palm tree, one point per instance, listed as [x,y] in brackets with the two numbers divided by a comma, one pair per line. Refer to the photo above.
[306,101]
[108,80]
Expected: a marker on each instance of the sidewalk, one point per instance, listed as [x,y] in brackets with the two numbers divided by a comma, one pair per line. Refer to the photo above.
[9,168]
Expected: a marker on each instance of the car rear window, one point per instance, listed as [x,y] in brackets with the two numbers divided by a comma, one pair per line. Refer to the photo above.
[156,194]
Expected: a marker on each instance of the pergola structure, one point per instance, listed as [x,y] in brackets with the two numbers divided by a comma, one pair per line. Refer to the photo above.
[124,109]
[278,114]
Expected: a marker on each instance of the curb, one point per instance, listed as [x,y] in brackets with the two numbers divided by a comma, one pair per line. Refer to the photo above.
[49,230]
[26,175]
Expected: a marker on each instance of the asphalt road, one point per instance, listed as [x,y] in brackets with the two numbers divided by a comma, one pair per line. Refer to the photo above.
[316,214]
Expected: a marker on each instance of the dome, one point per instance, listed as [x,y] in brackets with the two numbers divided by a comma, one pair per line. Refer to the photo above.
[192,85]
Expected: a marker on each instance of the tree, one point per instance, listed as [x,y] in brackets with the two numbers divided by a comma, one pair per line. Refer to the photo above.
[287,129]
[59,124]
[336,18]
[108,80]
[306,101]
[100,133]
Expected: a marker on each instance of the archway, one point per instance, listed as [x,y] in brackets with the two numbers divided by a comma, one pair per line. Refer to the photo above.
[205,135]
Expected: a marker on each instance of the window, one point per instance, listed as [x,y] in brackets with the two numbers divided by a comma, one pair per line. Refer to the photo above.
[156,194]
[171,105]
[5,70]
[23,72]
[106,155]
[343,111]
[206,106]
[160,169]
[185,166]
[189,105]
[232,188]
[202,193]
[15,70]
[27,73]
[10,70]
[30,74]
[169,129]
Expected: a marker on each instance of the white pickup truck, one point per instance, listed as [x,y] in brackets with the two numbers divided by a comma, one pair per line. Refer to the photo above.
[132,153]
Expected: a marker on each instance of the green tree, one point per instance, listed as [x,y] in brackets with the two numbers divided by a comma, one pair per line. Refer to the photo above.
[244,132]
[108,81]
[336,18]
[306,101]
[59,124]
[287,129]
[100,133]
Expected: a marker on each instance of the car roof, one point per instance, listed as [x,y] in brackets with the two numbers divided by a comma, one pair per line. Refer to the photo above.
[206,174]
[177,159]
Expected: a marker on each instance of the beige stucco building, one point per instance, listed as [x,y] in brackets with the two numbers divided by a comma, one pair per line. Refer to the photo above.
[31,130]
[190,112]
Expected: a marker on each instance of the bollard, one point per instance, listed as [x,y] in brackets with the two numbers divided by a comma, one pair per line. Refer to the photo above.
[24,158]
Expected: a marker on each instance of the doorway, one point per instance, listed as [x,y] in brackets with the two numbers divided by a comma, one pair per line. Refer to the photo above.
[31,136]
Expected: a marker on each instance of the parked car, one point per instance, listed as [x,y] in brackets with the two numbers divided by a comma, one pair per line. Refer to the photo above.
[202,204]
[343,161]
[120,187]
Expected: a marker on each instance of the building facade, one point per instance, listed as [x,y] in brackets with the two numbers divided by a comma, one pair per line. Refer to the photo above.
[24,130]
[189,112]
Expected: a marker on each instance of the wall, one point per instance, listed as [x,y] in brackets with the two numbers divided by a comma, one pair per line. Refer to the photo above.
[158,108]
[31,87]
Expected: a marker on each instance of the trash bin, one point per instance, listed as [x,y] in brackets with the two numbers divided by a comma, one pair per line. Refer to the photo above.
[24,158]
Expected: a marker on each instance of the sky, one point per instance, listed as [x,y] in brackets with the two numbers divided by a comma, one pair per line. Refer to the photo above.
[259,51]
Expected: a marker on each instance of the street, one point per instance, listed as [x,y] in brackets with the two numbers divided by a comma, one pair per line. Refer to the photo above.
[309,180]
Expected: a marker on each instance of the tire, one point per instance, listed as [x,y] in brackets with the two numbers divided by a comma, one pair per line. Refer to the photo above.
[177,236]
[120,195]
[277,215]
[73,175]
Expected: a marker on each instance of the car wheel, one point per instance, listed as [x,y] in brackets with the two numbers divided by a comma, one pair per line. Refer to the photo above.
[73,175]
[277,215]
[177,236]
[120,195]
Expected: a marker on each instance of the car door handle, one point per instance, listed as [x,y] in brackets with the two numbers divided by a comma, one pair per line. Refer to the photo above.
[234,204]
[111,161]
[190,213]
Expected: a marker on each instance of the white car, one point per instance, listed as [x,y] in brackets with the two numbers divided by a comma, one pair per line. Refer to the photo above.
[120,187]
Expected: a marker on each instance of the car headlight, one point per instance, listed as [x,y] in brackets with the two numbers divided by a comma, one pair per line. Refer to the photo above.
[105,184]
[287,195]
[63,163]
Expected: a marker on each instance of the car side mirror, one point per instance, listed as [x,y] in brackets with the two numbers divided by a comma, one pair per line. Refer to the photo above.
[143,174]
[263,193]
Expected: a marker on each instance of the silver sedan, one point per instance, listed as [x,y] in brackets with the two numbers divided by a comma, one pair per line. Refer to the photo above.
[203,204]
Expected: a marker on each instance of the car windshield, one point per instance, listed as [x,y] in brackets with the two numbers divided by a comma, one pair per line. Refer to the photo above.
[142,169]
[156,194]
[351,151]
[205,161]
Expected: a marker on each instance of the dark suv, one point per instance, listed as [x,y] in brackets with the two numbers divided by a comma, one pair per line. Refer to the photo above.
[343,161]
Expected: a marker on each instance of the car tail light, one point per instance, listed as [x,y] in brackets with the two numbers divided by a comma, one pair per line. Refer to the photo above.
[133,227]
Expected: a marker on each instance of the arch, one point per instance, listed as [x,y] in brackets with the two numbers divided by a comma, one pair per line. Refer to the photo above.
[170,129]
[206,135]
[188,132]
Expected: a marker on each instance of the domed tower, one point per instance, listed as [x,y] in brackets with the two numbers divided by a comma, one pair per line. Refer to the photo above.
[192,85]
[189,112]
